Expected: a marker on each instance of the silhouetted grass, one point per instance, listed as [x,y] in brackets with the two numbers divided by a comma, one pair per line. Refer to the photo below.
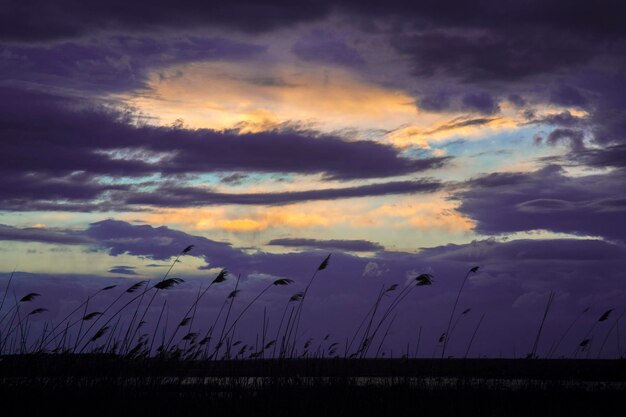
[110,330]
[102,356]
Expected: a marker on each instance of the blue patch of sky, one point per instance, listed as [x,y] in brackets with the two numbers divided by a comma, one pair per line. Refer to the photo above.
[215,179]
[496,151]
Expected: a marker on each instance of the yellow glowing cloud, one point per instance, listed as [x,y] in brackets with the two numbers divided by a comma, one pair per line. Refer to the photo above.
[435,213]
[429,128]
[466,127]
[260,96]
[221,95]
[249,219]
[238,225]
[427,214]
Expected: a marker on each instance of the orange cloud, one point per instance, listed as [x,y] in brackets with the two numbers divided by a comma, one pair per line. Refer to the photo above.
[434,214]
[222,95]
[377,214]
[248,219]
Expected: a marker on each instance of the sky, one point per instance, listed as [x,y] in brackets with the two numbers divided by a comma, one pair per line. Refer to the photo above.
[402,137]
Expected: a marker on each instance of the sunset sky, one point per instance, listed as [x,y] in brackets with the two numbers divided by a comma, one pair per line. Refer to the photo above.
[402,137]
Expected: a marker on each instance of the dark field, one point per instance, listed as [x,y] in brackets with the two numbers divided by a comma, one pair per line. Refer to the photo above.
[107,385]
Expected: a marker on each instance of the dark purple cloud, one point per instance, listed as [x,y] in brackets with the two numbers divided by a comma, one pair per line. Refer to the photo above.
[480,102]
[185,196]
[119,148]
[38,19]
[48,158]
[611,156]
[112,64]
[563,119]
[608,108]
[437,102]
[39,186]
[236,178]
[565,53]
[502,55]
[602,93]
[527,250]
[178,196]
[123,269]
[531,53]
[462,122]
[566,95]
[158,243]
[517,100]
[324,47]
[445,101]
[332,244]
[511,287]
[547,199]
[42,235]
[573,138]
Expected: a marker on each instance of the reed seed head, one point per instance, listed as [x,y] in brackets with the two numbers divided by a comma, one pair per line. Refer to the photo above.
[29,297]
[424,279]
[221,277]
[91,315]
[324,263]
[283,281]
[168,283]
[133,288]
[606,315]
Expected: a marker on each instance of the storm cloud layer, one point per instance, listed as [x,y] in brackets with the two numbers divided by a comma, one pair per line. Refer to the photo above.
[547,199]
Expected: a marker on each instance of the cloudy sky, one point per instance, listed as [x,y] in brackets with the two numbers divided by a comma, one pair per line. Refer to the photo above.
[403,137]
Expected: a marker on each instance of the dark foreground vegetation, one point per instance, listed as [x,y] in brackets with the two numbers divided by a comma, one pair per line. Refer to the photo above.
[128,356]
[110,385]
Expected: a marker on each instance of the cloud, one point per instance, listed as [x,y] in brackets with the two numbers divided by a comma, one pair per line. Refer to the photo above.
[333,244]
[611,156]
[547,199]
[566,95]
[492,54]
[120,148]
[575,139]
[71,18]
[491,250]
[42,235]
[324,47]
[37,191]
[562,119]
[176,196]
[123,269]
[158,243]
[435,102]
[461,122]
[236,178]
[517,100]
[70,168]
[115,63]
[481,102]
[531,53]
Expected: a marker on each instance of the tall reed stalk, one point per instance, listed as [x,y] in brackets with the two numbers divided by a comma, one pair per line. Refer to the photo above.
[533,352]
[446,339]
[298,315]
